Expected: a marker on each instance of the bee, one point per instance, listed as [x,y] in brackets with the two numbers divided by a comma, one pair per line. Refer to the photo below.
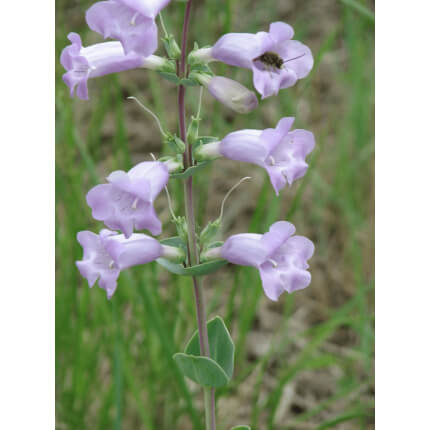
[271,59]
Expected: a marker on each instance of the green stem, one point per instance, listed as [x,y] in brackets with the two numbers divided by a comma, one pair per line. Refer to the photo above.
[193,257]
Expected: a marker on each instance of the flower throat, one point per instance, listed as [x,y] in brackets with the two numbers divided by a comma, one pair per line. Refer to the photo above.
[271,59]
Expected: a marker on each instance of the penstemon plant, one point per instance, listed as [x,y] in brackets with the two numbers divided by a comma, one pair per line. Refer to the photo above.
[126,202]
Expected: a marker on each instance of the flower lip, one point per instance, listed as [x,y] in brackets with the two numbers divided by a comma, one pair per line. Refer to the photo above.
[126,202]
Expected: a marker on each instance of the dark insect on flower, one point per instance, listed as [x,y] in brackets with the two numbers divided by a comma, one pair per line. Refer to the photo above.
[271,59]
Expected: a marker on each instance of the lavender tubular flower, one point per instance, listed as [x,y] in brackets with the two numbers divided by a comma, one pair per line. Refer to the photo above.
[230,93]
[132,22]
[280,257]
[83,63]
[277,62]
[107,253]
[127,202]
[280,151]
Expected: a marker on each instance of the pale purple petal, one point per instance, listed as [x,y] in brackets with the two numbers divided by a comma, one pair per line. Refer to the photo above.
[284,125]
[290,156]
[155,170]
[93,61]
[137,33]
[275,282]
[126,203]
[139,187]
[271,281]
[97,263]
[86,270]
[232,94]
[297,57]
[237,49]
[280,151]
[280,31]
[88,240]
[277,235]
[149,8]
[107,253]
[276,176]
[244,145]
[109,283]
[244,249]
[299,249]
[269,82]
[280,257]
[71,51]
[98,200]
[147,219]
[138,249]
[270,139]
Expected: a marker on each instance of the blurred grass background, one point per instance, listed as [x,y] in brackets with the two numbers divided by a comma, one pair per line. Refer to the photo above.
[305,362]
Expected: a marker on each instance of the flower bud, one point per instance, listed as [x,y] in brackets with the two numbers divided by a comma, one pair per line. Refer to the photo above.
[209,151]
[159,64]
[174,164]
[172,253]
[229,92]
[211,254]
[202,55]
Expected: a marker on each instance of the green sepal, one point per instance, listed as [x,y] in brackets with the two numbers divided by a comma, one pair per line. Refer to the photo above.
[168,66]
[182,228]
[193,130]
[175,143]
[171,46]
[209,233]
[221,345]
[190,171]
[197,270]
[171,77]
[241,427]
[202,370]
[201,68]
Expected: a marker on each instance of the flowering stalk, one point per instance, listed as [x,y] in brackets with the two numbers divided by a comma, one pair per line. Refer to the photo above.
[193,257]
[126,202]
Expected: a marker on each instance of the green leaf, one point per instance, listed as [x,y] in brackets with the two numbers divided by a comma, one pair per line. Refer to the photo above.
[221,345]
[190,171]
[202,370]
[171,77]
[241,427]
[198,270]
[186,82]
[175,241]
